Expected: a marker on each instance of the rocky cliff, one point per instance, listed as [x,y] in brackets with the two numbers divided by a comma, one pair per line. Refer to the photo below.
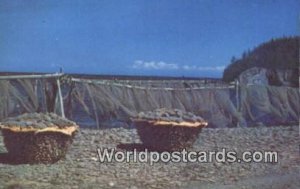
[263,76]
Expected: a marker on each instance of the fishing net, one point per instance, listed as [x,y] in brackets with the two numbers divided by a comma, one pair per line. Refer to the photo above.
[100,103]
[270,105]
[120,100]
[18,96]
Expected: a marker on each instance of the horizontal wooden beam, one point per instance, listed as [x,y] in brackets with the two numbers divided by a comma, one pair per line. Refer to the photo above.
[31,76]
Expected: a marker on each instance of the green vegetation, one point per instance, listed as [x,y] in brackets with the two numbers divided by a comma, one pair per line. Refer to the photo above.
[280,53]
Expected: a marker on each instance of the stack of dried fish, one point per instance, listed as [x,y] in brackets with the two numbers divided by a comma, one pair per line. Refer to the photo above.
[38,137]
[167,129]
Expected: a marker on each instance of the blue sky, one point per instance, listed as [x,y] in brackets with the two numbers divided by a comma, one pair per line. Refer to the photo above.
[138,37]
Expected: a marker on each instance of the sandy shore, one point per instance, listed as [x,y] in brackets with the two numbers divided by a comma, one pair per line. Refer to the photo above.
[81,167]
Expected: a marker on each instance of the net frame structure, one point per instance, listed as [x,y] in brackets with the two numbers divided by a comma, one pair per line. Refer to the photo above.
[96,102]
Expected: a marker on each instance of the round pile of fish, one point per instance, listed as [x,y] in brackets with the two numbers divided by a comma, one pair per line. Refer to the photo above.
[38,120]
[174,115]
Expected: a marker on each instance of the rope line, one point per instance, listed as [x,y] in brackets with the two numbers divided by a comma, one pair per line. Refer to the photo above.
[98,82]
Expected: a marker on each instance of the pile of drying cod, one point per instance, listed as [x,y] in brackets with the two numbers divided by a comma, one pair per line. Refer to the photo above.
[174,115]
[38,121]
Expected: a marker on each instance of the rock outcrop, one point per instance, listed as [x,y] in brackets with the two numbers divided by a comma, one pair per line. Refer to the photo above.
[262,76]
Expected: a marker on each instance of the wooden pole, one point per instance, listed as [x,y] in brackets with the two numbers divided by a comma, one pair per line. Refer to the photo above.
[61,103]
[237,98]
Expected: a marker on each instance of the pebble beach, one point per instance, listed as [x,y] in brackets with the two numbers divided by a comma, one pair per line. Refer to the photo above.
[81,167]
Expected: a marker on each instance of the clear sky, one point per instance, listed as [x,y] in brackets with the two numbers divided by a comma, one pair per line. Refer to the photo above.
[138,37]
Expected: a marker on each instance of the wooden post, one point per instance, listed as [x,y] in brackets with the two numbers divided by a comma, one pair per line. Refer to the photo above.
[237,95]
[61,103]
[36,87]
[237,98]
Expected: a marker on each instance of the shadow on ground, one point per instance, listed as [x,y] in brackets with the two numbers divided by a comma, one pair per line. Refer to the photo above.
[6,158]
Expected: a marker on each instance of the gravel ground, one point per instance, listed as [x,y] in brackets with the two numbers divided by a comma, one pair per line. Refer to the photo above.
[81,167]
